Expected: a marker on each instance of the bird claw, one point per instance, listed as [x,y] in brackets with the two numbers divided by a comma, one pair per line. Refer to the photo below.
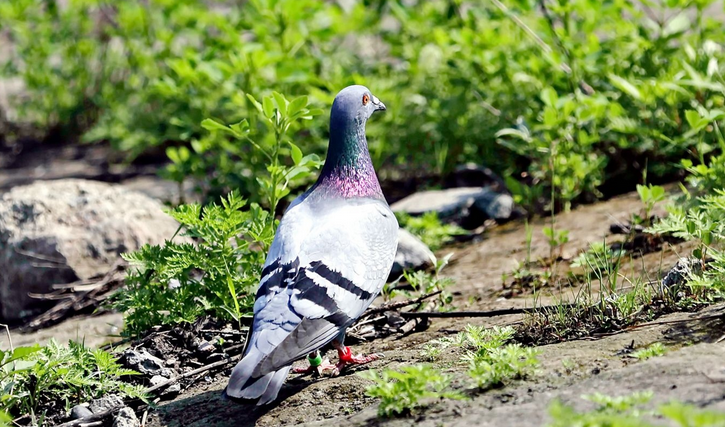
[317,370]
[347,358]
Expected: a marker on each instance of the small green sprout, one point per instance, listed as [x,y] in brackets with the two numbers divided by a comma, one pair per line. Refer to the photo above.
[654,350]
[402,392]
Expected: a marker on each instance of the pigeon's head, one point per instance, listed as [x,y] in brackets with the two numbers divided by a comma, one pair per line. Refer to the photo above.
[355,103]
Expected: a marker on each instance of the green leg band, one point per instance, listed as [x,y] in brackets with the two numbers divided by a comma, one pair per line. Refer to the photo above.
[315,361]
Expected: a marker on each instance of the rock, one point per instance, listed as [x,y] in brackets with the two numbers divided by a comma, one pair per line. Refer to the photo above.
[467,206]
[412,254]
[80,411]
[54,232]
[446,203]
[498,206]
[166,391]
[172,389]
[105,403]
[126,417]
[157,379]
[680,273]
[145,363]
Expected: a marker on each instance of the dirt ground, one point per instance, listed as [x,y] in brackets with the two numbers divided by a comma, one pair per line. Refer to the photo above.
[693,370]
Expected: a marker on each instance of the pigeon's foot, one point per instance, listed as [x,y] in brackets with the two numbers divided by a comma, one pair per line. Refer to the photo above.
[317,365]
[347,358]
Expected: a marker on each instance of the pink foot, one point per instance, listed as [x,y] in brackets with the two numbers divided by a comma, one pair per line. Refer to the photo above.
[347,358]
[322,367]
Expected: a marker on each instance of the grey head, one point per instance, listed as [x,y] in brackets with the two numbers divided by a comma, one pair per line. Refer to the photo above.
[348,170]
[353,106]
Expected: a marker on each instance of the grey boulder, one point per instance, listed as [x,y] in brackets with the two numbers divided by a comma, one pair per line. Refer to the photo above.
[412,254]
[467,206]
[55,232]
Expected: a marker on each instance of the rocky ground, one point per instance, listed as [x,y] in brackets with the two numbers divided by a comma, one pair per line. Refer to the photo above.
[693,370]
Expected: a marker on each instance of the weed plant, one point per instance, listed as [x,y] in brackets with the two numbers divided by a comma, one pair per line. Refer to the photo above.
[38,380]
[218,272]
[628,411]
[608,81]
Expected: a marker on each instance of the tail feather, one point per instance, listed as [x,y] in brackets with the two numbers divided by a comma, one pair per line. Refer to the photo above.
[243,385]
[274,386]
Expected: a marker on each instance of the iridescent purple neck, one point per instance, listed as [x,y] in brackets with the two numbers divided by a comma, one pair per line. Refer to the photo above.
[348,170]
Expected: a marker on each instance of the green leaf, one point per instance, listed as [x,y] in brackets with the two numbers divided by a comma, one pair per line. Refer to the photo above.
[644,193]
[657,193]
[625,86]
[296,153]
[241,127]
[281,103]
[692,117]
[256,103]
[676,25]
[549,97]
[296,172]
[296,105]
[211,124]
[311,113]
[23,352]
[268,107]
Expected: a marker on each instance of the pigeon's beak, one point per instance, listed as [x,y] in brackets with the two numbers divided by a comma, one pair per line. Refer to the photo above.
[379,106]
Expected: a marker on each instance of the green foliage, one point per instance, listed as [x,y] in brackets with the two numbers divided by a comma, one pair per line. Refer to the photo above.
[691,416]
[422,283]
[608,81]
[556,239]
[217,273]
[432,350]
[610,412]
[178,282]
[649,195]
[654,350]
[625,411]
[402,392]
[479,337]
[35,379]
[598,258]
[703,223]
[611,307]
[490,357]
[491,361]
[429,228]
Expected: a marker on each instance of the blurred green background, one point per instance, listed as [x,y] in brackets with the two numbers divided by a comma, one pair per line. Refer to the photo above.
[577,99]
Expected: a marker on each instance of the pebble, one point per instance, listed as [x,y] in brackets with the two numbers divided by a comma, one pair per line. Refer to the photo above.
[105,403]
[126,418]
[80,411]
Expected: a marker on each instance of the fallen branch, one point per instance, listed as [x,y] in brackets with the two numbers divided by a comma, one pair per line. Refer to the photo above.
[77,296]
[492,313]
[399,304]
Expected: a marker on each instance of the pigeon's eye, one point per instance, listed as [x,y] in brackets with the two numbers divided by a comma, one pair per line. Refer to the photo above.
[366,99]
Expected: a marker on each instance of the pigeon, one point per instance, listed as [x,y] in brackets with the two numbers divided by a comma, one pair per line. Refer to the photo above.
[330,257]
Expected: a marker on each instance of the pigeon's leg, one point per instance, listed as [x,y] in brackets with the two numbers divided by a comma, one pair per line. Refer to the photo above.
[348,358]
[317,365]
